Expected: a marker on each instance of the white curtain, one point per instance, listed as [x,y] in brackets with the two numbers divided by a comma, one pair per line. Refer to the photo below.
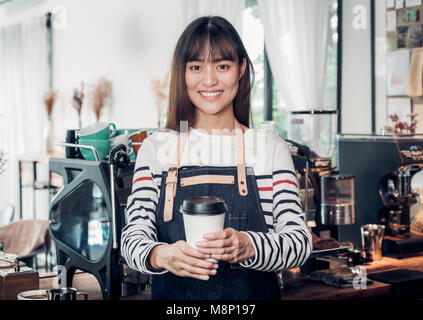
[231,10]
[295,34]
[23,82]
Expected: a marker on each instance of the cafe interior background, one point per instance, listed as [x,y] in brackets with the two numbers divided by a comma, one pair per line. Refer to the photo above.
[340,80]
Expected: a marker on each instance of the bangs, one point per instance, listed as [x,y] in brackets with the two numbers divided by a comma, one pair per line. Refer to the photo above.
[210,45]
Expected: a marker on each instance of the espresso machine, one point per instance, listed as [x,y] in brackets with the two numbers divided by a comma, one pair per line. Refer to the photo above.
[87,215]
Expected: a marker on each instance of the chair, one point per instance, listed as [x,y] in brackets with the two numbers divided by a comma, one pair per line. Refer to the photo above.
[27,239]
[31,259]
[6,214]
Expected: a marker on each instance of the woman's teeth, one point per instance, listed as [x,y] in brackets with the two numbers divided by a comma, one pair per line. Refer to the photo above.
[211,94]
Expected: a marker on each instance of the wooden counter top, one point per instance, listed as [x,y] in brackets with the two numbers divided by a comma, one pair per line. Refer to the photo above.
[85,283]
[311,290]
[412,262]
[306,290]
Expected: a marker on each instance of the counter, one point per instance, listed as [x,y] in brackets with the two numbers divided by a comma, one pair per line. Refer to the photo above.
[311,290]
[308,290]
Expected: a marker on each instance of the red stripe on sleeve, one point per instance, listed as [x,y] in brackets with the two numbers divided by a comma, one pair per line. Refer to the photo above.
[265,189]
[284,181]
[143,178]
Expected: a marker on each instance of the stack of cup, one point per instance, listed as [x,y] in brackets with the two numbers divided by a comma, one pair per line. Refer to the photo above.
[97,135]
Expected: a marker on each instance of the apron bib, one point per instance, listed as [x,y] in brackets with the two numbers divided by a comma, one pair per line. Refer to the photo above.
[240,193]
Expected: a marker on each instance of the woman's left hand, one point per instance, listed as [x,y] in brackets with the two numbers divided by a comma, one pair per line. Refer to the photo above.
[228,245]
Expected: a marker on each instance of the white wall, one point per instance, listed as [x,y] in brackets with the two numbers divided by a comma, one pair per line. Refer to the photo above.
[130,42]
[356,69]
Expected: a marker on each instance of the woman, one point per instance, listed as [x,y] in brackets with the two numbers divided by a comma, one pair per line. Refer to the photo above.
[264,229]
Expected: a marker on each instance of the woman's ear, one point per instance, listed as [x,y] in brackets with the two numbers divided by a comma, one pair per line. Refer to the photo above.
[242,69]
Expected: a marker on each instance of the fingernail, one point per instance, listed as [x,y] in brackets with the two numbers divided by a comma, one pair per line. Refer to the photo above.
[216,266]
[213,272]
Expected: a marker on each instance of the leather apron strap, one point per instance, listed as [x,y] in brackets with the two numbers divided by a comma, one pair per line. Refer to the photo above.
[172,174]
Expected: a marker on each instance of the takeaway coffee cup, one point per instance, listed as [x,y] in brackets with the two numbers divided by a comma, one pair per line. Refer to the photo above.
[202,215]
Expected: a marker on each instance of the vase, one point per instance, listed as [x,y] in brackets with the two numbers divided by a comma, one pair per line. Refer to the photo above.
[49,136]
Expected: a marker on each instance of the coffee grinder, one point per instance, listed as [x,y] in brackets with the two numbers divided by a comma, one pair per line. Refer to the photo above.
[397,197]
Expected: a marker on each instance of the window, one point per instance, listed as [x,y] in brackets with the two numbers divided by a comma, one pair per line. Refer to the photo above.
[253,36]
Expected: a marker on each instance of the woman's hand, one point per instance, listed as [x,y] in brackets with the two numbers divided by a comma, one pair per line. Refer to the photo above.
[182,260]
[228,245]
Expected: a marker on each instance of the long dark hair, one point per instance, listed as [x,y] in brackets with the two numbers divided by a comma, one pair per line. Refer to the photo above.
[217,34]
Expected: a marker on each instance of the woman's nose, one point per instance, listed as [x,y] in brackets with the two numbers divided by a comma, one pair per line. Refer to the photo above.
[210,77]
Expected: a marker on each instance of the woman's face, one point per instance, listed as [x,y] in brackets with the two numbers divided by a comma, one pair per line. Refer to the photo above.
[212,86]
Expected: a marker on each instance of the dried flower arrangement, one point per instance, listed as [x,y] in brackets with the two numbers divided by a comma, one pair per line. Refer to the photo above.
[402,127]
[160,91]
[49,100]
[101,95]
[77,101]
[3,161]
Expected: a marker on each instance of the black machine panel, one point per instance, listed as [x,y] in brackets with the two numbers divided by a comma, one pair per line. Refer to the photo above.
[81,220]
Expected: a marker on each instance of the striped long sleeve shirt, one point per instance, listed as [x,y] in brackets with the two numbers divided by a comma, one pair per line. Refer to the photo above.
[287,242]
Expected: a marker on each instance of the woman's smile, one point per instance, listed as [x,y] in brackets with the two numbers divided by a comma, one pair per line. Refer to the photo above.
[211,96]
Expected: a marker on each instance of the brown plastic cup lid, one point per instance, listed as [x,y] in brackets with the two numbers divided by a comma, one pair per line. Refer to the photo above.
[203,206]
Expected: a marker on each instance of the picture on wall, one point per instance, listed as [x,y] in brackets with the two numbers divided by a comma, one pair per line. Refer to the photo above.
[413,3]
[410,15]
[390,4]
[399,4]
[410,36]
[397,72]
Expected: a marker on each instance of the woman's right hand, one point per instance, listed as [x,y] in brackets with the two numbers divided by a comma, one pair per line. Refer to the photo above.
[182,260]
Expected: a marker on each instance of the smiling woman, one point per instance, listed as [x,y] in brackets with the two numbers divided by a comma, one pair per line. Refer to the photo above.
[264,230]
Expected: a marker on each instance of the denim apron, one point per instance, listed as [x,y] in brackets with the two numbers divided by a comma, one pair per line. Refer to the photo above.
[232,282]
